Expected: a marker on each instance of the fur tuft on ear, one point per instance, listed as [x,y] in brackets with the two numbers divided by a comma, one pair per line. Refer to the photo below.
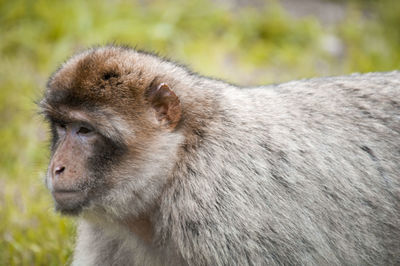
[166,105]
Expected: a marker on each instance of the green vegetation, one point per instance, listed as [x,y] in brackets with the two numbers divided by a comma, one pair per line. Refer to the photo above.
[243,45]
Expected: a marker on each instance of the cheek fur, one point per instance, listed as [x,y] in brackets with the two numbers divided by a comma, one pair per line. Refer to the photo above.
[107,154]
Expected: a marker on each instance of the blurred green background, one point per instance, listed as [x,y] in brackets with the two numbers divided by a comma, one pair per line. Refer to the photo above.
[244,42]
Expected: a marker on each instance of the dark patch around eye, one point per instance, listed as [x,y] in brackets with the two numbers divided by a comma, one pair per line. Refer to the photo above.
[54,122]
[54,136]
[107,153]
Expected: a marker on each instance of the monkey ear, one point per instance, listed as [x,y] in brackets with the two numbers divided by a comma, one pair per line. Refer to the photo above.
[166,105]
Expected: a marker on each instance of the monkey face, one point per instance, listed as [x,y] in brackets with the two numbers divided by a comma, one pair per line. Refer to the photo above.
[82,158]
[112,123]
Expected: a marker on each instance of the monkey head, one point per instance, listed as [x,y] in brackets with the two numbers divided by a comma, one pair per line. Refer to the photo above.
[114,122]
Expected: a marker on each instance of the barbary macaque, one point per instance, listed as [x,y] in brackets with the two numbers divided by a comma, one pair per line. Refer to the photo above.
[165,167]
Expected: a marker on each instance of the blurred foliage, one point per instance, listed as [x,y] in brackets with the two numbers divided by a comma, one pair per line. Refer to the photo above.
[244,45]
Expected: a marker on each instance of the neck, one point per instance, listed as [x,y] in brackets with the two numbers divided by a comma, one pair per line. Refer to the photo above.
[141,227]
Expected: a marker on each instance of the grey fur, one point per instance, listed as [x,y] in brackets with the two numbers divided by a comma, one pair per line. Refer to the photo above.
[301,173]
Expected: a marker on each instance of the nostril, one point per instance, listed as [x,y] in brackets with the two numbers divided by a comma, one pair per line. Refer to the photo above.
[59,170]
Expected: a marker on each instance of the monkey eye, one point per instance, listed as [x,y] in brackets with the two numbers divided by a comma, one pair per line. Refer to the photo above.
[83,130]
[60,126]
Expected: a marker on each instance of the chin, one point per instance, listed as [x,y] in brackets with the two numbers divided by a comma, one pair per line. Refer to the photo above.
[71,207]
[74,211]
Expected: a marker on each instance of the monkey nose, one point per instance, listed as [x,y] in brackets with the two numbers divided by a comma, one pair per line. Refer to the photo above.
[58,170]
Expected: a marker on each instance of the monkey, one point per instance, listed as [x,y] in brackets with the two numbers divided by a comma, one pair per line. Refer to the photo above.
[162,166]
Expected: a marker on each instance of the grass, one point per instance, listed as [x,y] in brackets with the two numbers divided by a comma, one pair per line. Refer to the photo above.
[247,46]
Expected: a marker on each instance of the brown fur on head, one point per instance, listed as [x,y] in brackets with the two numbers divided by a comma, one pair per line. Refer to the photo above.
[111,76]
[127,101]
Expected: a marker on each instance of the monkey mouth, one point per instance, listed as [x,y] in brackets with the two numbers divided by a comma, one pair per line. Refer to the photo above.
[70,202]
